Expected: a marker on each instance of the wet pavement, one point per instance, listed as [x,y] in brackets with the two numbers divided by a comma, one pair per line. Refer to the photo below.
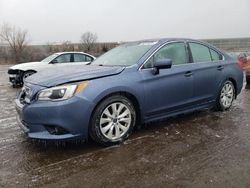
[202,149]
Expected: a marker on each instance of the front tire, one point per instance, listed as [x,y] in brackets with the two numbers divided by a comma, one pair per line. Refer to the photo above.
[226,96]
[113,120]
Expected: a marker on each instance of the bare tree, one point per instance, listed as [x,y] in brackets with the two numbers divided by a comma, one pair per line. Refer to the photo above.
[16,39]
[105,48]
[67,46]
[88,40]
[49,47]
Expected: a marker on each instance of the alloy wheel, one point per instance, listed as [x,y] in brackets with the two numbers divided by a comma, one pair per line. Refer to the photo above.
[115,121]
[227,95]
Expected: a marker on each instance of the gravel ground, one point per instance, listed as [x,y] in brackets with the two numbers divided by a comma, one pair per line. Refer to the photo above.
[202,149]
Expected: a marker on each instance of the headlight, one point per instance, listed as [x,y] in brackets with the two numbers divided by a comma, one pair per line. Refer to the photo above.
[61,92]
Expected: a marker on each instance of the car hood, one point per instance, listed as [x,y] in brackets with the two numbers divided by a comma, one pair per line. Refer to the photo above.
[61,75]
[28,66]
[39,66]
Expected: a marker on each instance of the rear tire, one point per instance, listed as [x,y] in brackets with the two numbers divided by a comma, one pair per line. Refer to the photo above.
[225,97]
[112,121]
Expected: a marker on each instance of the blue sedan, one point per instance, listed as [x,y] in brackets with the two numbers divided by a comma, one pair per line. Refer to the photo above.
[135,83]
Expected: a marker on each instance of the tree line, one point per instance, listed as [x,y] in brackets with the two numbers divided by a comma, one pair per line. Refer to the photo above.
[17,48]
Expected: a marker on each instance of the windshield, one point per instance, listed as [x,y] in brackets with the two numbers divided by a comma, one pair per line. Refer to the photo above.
[124,55]
[50,58]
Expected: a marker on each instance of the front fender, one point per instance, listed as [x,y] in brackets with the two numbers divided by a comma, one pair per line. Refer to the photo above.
[127,90]
[118,89]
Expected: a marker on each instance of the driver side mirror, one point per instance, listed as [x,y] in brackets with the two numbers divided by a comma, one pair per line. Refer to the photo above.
[162,64]
[54,61]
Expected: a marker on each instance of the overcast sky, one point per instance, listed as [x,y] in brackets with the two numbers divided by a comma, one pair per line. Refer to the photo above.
[126,20]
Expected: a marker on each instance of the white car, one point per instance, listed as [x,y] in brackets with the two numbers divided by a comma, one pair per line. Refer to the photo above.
[18,72]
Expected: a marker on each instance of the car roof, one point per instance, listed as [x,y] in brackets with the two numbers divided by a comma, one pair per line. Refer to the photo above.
[60,53]
[160,41]
[163,40]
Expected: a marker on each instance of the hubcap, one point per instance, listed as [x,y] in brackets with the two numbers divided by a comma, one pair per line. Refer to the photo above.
[227,95]
[115,121]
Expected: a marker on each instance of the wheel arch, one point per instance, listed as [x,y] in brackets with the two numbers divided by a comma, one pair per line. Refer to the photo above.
[235,85]
[29,70]
[130,96]
[230,78]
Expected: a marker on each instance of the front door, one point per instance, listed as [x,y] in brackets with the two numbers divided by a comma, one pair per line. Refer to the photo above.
[171,89]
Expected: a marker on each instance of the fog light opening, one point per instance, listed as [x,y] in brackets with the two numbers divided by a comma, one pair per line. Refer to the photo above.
[55,130]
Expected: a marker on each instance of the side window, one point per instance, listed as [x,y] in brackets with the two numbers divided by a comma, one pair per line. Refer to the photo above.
[215,55]
[88,58]
[174,51]
[150,63]
[200,53]
[65,58]
[79,58]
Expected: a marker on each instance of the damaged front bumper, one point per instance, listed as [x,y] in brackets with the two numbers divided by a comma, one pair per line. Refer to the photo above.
[62,120]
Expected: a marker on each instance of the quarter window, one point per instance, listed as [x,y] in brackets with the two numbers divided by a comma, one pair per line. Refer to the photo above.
[88,58]
[215,55]
[200,53]
[174,51]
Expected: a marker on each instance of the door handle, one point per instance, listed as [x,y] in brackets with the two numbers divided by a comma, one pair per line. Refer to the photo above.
[220,67]
[188,74]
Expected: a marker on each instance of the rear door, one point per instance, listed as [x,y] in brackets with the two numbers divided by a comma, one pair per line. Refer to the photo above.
[171,89]
[82,58]
[207,68]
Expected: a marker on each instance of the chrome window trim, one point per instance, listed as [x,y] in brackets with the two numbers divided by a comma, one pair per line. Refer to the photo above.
[185,42]
[209,47]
